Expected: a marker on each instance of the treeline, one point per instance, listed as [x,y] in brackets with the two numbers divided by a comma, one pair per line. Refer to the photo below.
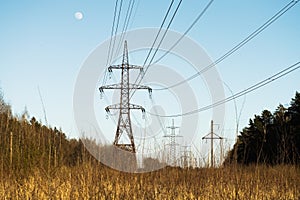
[270,138]
[27,144]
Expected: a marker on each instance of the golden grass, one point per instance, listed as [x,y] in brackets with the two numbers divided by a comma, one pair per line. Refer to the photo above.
[90,182]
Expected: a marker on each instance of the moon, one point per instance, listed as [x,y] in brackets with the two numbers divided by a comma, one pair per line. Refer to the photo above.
[78,15]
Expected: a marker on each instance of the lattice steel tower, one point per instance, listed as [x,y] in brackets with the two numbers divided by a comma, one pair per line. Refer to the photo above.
[173,143]
[124,123]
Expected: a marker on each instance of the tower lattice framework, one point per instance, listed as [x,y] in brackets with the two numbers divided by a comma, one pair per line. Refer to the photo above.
[124,123]
[173,143]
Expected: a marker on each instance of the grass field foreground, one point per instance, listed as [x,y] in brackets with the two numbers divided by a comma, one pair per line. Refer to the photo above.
[90,182]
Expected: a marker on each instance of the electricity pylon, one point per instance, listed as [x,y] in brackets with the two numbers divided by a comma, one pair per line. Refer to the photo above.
[124,123]
[187,159]
[212,136]
[173,143]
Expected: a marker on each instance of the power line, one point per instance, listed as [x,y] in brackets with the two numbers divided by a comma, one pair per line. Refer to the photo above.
[168,26]
[163,37]
[234,49]
[199,16]
[190,27]
[125,25]
[184,34]
[157,48]
[134,12]
[112,32]
[162,24]
[117,26]
[195,21]
[160,28]
[252,88]
[124,29]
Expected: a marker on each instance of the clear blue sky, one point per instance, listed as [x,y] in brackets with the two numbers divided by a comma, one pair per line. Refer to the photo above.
[43,44]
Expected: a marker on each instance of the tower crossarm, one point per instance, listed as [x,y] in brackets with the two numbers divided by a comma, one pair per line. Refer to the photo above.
[110,68]
[118,107]
[135,86]
[112,87]
[119,86]
[113,107]
[215,136]
[134,106]
[172,127]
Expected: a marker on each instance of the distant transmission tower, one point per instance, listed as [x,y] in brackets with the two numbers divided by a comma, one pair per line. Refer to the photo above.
[187,159]
[212,136]
[124,127]
[173,143]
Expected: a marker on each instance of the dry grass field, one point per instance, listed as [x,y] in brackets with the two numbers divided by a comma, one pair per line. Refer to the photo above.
[40,162]
[90,182]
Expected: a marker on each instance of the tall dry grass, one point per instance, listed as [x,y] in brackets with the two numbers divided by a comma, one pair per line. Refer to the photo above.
[98,182]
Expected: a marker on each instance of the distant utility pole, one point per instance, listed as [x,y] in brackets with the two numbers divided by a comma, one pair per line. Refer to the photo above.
[173,143]
[124,123]
[212,136]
